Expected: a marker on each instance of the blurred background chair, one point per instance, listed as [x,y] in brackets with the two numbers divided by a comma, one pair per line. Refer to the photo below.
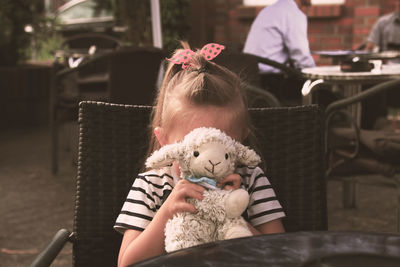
[127,76]
[264,90]
[359,156]
[92,77]
[79,47]
[112,145]
[245,66]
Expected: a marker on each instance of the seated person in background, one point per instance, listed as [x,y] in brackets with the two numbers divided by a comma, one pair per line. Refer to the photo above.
[279,33]
[384,36]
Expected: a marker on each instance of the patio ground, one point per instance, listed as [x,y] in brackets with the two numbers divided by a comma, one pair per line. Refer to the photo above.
[35,204]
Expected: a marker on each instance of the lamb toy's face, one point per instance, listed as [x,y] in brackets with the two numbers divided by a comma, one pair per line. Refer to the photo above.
[204,152]
[213,160]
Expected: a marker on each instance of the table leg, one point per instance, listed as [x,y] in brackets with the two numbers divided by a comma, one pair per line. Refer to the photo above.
[355,109]
[348,90]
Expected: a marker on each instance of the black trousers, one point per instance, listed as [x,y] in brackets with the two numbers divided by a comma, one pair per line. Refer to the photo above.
[286,89]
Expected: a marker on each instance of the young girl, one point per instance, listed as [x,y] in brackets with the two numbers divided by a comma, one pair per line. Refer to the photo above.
[194,94]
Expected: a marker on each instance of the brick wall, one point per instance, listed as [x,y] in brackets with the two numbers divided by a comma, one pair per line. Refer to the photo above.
[329,26]
[58,3]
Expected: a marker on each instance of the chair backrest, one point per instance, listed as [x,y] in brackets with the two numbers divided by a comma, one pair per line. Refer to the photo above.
[86,40]
[291,141]
[111,152]
[243,65]
[133,75]
[284,86]
[111,148]
[130,74]
[246,67]
[77,46]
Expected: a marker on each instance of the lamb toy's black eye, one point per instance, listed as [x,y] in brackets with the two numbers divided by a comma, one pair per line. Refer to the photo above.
[226,156]
[196,154]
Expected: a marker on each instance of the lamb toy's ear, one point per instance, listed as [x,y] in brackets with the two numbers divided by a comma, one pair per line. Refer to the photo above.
[247,156]
[165,156]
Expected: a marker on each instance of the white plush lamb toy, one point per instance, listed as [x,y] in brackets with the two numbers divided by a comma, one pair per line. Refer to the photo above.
[205,156]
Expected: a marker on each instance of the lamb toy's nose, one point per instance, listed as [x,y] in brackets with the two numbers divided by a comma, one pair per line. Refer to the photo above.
[213,165]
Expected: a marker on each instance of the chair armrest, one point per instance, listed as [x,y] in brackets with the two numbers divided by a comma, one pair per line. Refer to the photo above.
[46,257]
[361,96]
[285,69]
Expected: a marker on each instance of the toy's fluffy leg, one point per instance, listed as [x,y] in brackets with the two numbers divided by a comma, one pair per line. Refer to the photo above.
[237,231]
[236,203]
[185,230]
[234,228]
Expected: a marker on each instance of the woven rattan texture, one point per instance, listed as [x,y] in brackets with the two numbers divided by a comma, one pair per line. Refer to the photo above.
[290,140]
[111,147]
[111,151]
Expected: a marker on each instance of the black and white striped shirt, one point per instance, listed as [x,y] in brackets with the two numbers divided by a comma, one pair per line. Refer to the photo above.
[150,189]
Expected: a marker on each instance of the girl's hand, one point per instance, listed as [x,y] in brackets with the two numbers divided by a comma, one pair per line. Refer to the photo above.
[176,201]
[231,182]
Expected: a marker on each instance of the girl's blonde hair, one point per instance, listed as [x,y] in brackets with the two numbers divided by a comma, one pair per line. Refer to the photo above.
[202,83]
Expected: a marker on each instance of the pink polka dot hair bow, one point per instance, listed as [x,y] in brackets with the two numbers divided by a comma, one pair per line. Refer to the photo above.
[209,52]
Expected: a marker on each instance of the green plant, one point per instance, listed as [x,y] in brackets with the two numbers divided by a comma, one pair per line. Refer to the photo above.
[14,16]
[44,40]
[136,16]
[47,47]
[175,27]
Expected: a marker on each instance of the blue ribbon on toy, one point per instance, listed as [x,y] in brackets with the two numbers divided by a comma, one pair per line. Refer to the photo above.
[204,181]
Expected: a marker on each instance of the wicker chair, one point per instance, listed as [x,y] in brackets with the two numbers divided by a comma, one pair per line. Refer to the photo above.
[77,48]
[111,149]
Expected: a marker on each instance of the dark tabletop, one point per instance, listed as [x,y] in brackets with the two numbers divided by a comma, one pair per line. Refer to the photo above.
[343,54]
[308,249]
[335,75]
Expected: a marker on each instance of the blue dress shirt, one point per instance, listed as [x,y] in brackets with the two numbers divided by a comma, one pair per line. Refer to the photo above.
[279,32]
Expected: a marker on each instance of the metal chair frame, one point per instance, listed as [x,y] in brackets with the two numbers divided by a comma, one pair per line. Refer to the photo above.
[350,181]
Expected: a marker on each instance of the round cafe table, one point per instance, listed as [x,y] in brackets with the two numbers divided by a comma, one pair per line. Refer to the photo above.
[308,249]
[349,83]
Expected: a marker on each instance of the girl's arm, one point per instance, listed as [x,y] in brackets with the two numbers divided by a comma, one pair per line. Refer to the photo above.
[271,227]
[137,246]
[231,182]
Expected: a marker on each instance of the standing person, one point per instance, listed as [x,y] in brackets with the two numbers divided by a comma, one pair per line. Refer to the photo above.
[279,33]
[198,93]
